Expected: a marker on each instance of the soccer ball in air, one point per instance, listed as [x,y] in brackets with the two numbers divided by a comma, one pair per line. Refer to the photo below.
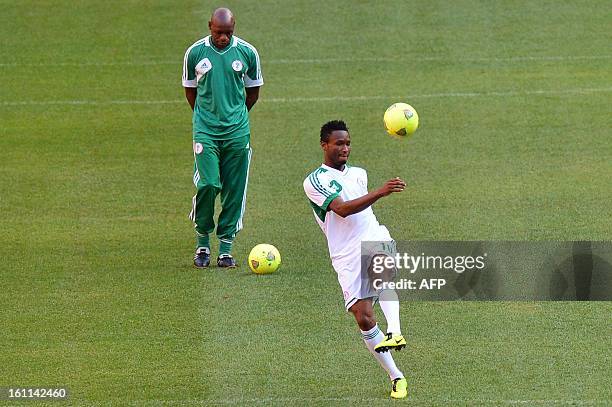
[264,259]
[401,120]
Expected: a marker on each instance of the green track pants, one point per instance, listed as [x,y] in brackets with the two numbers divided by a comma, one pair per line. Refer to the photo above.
[220,166]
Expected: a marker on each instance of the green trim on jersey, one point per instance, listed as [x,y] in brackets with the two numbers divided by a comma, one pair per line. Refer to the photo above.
[220,112]
[318,211]
[316,184]
[329,200]
[321,211]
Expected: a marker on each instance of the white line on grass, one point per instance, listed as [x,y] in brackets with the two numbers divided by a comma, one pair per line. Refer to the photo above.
[564,92]
[285,400]
[298,61]
[444,58]
[440,95]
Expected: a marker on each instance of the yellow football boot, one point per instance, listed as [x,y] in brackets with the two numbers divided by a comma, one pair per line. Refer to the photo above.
[396,342]
[399,390]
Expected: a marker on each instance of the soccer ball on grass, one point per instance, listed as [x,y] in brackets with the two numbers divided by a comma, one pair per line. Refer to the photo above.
[401,120]
[264,259]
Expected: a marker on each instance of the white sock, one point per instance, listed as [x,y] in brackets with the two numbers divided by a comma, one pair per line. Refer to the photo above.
[389,303]
[373,337]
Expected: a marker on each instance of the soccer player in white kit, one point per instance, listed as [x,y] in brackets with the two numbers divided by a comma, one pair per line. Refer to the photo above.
[338,194]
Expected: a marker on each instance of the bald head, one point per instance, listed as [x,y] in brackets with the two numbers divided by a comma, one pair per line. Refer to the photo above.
[222,15]
[221,26]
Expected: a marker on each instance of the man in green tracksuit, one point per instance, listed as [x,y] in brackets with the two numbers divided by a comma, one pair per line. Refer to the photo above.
[221,77]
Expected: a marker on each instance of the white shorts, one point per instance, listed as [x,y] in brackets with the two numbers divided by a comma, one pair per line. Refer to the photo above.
[353,271]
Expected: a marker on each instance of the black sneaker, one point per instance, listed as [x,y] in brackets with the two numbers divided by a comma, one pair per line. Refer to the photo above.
[226,261]
[201,259]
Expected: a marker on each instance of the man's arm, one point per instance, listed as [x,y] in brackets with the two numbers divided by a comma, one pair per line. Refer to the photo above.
[252,94]
[190,94]
[353,206]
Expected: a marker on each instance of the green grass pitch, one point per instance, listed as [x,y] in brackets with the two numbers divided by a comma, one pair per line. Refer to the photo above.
[97,290]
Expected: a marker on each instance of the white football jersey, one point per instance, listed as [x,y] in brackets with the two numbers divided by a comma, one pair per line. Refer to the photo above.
[344,235]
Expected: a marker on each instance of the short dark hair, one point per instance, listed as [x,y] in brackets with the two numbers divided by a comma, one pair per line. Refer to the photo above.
[331,126]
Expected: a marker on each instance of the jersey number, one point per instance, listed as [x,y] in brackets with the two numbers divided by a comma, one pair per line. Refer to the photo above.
[336,185]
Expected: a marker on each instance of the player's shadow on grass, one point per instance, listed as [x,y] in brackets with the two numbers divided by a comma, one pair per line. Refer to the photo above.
[582,276]
[478,285]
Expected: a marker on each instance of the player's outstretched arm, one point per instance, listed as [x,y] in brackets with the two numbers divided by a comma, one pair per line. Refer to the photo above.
[346,208]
